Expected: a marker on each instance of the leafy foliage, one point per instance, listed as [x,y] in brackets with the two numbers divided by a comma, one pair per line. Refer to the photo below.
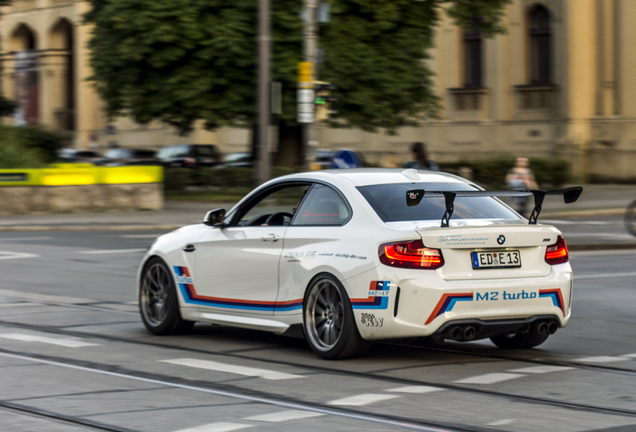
[183,60]
[28,147]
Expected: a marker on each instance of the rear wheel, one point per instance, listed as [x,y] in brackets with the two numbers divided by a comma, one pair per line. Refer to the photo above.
[530,339]
[630,218]
[158,301]
[329,327]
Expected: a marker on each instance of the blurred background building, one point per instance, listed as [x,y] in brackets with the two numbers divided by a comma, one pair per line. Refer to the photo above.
[559,83]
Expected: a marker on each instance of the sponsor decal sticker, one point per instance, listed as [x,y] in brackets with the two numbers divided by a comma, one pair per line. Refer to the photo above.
[370,320]
[378,296]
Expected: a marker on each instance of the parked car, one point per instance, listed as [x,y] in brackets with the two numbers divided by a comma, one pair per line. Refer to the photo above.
[190,156]
[126,156]
[238,160]
[71,155]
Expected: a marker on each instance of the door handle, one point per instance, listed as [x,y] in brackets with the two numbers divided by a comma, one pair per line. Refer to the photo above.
[189,248]
[270,238]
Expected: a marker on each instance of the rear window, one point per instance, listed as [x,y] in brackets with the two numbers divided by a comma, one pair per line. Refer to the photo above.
[389,202]
[208,151]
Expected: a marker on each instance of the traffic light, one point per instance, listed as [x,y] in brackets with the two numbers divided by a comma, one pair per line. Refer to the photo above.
[323,100]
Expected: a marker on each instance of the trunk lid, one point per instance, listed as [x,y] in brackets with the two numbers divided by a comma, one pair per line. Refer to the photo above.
[459,243]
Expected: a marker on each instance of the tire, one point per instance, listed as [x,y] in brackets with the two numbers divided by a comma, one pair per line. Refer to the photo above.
[519,340]
[158,302]
[630,218]
[329,324]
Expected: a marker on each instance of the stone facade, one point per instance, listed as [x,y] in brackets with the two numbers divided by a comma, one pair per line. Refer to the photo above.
[576,101]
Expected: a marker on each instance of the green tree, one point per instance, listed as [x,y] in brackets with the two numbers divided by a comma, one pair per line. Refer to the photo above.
[179,61]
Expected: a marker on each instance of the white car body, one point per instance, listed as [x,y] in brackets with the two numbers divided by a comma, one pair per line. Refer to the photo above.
[257,276]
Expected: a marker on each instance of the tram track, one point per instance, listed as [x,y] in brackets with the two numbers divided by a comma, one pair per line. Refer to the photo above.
[367,375]
[60,418]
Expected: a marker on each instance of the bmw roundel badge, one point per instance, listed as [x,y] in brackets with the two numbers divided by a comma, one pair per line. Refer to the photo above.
[501,239]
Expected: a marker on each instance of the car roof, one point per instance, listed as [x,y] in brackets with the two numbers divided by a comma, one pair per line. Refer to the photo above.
[373,176]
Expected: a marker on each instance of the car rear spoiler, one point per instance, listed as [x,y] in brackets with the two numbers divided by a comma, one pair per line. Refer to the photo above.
[570,195]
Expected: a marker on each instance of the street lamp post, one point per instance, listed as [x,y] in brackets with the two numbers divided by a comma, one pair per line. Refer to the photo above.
[263,91]
[309,54]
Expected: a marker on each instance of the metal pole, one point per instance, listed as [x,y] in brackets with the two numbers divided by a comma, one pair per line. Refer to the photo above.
[309,53]
[263,91]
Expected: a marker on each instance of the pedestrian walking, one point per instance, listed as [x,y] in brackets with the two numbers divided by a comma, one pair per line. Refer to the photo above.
[520,177]
[420,158]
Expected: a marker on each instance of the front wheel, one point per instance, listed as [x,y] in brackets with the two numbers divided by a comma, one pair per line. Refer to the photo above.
[158,303]
[630,218]
[329,327]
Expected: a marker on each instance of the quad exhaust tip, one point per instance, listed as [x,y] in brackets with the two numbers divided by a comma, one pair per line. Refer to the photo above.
[463,333]
[547,327]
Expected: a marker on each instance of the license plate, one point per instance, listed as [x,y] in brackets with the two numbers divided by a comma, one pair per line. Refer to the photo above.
[505,259]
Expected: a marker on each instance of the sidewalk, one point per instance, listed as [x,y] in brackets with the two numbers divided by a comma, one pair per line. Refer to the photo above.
[597,201]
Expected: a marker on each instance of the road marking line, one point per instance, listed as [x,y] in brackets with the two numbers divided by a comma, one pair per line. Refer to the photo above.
[541,369]
[44,298]
[133,236]
[601,359]
[501,422]
[68,343]
[629,355]
[235,395]
[362,399]
[415,389]
[5,255]
[490,378]
[111,251]
[217,427]
[604,275]
[282,416]
[235,369]
[9,239]
[9,305]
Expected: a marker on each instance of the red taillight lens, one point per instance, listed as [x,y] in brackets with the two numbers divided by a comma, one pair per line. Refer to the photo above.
[411,254]
[557,253]
[190,161]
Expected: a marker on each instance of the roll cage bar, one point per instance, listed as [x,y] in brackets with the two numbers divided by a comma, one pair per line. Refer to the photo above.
[570,195]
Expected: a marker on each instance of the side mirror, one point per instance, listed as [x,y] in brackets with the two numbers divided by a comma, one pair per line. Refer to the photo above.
[215,218]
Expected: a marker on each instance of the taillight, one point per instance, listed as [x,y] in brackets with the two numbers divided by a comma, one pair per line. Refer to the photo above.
[557,253]
[190,161]
[411,254]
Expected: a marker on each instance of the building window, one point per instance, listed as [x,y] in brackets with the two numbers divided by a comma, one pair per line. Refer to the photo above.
[472,57]
[540,46]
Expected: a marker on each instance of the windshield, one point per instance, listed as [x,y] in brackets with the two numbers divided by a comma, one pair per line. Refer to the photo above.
[389,202]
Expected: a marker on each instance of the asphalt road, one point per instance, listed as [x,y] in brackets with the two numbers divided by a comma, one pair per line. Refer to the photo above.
[74,356]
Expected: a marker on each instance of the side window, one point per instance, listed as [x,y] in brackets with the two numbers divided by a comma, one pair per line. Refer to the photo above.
[181,151]
[275,209]
[164,153]
[323,206]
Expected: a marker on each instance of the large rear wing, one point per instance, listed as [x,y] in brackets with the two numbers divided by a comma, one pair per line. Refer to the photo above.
[570,195]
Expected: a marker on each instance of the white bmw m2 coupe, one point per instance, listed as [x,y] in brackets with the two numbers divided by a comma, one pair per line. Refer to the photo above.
[353,256]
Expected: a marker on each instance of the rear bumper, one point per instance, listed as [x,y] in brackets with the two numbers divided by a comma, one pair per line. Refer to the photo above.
[474,329]
[420,303]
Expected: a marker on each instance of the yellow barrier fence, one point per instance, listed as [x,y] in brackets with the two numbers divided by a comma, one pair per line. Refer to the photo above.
[80,174]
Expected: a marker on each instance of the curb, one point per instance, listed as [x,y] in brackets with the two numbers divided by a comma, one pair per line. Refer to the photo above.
[35,228]
[601,246]
[583,213]
[40,228]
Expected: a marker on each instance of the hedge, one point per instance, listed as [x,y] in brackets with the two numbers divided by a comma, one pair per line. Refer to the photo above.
[491,173]
[178,179]
[28,147]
